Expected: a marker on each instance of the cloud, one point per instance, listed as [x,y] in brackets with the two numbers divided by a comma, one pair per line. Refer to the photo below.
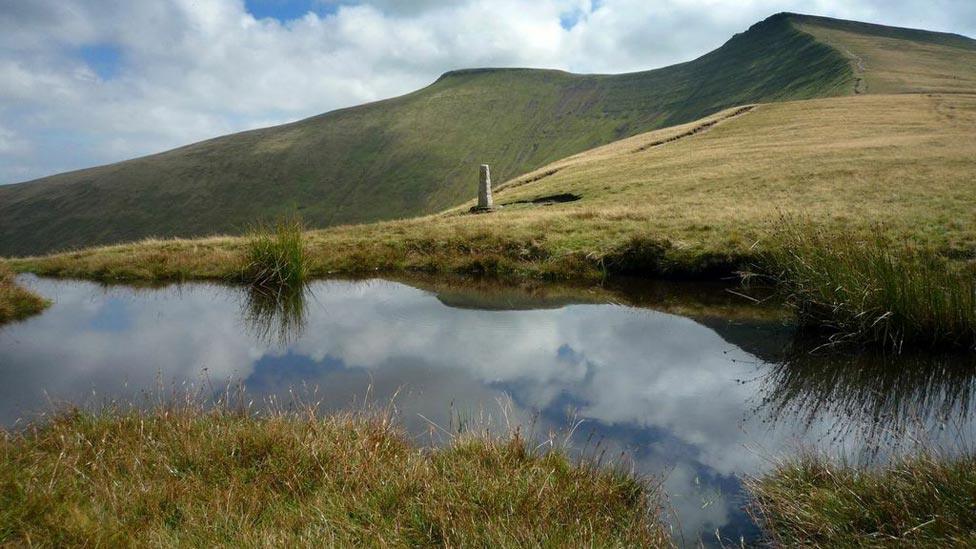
[85,82]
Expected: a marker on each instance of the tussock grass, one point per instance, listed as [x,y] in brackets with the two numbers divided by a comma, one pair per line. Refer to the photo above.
[17,302]
[871,289]
[182,475]
[275,255]
[919,501]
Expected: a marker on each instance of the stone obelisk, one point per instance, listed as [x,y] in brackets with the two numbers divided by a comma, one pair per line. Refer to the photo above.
[484,190]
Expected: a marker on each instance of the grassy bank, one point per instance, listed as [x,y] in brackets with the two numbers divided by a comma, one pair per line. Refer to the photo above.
[185,476]
[871,289]
[921,501]
[17,302]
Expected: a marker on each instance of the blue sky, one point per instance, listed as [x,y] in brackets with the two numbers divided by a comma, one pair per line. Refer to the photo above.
[104,59]
[286,10]
[88,82]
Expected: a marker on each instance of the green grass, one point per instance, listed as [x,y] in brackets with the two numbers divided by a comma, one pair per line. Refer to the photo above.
[410,155]
[179,475]
[872,289]
[17,302]
[920,501]
[275,256]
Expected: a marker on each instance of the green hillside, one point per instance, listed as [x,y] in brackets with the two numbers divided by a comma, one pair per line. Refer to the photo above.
[892,60]
[417,153]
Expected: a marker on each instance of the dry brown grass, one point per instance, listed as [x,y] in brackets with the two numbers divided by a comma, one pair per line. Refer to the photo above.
[17,302]
[184,476]
[696,206]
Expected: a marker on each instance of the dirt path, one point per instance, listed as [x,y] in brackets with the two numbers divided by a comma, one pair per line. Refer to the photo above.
[859,84]
[701,128]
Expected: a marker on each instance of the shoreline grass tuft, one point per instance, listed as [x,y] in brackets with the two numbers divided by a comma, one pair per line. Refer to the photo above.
[275,255]
[918,501]
[184,475]
[17,302]
[872,290]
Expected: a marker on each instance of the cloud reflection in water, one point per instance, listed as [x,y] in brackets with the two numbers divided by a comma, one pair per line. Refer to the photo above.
[673,392]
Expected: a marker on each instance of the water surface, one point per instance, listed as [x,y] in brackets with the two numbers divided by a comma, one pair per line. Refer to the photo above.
[695,384]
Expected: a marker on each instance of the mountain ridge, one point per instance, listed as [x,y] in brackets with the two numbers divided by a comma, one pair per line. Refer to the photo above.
[416,150]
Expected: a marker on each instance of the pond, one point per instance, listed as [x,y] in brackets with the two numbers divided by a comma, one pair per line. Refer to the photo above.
[695,384]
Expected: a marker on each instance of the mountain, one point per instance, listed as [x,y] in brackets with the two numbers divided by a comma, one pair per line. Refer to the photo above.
[418,153]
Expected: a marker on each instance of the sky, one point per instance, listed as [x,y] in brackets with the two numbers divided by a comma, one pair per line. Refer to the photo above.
[89,82]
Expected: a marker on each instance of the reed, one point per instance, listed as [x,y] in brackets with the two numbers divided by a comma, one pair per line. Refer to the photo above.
[275,255]
[924,500]
[872,289]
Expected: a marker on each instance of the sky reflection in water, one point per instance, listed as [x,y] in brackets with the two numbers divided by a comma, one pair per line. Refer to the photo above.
[682,396]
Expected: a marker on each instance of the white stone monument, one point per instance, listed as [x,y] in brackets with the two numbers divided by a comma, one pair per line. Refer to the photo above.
[485,203]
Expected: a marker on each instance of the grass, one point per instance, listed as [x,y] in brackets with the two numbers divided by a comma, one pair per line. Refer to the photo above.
[17,302]
[872,290]
[181,475]
[275,256]
[919,501]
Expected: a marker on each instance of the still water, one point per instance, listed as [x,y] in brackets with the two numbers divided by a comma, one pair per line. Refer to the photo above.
[698,386]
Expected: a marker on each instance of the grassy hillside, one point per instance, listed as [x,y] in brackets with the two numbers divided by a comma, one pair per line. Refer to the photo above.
[887,60]
[410,155]
[691,206]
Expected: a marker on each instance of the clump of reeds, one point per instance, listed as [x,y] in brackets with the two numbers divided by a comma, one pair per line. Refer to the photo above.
[17,302]
[275,255]
[188,475]
[919,501]
[871,289]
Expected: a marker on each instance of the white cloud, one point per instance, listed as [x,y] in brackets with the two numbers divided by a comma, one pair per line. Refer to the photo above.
[191,70]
